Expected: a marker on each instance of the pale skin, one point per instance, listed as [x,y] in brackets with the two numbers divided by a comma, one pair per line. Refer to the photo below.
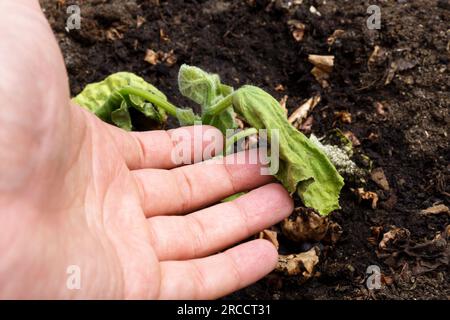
[77,191]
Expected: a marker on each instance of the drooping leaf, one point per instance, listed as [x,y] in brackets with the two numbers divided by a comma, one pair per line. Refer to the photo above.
[103,99]
[187,117]
[206,90]
[303,168]
[121,117]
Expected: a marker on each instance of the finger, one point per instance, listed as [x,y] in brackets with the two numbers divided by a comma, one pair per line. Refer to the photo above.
[210,230]
[184,189]
[218,275]
[33,4]
[167,149]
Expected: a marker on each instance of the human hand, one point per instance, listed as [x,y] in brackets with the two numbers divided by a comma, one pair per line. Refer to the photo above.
[77,191]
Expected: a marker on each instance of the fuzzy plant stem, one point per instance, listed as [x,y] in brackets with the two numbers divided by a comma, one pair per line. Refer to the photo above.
[237,137]
[150,97]
[217,108]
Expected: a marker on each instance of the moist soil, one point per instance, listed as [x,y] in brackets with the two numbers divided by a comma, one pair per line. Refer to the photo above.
[398,99]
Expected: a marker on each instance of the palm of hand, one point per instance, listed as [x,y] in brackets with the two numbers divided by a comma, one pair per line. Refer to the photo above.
[76,191]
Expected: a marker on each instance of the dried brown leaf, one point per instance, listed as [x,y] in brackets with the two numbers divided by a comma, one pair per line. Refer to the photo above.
[367,195]
[113,34]
[151,57]
[157,57]
[301,264]
[334,233]
[299,115]
[305,225]
[393,236]
[169,58]
[271,236]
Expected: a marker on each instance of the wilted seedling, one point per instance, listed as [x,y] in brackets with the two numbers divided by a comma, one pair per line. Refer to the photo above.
[304,167]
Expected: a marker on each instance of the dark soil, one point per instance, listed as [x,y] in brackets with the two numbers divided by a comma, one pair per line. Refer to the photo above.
[250,42]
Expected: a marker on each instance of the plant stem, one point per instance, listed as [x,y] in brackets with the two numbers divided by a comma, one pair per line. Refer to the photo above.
[158,101]
[217,108]
[238,136]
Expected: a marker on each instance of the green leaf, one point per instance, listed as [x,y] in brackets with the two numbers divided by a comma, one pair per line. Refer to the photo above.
[304,168]
[199,86]
[206,90]
[224,120]
[121,117]
[103,99]
[187,117]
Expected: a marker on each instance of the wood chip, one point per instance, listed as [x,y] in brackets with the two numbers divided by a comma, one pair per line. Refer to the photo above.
[437,209]
[377,175]
[325,63]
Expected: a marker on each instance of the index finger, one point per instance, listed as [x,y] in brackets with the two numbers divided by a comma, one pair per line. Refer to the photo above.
[161,149]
